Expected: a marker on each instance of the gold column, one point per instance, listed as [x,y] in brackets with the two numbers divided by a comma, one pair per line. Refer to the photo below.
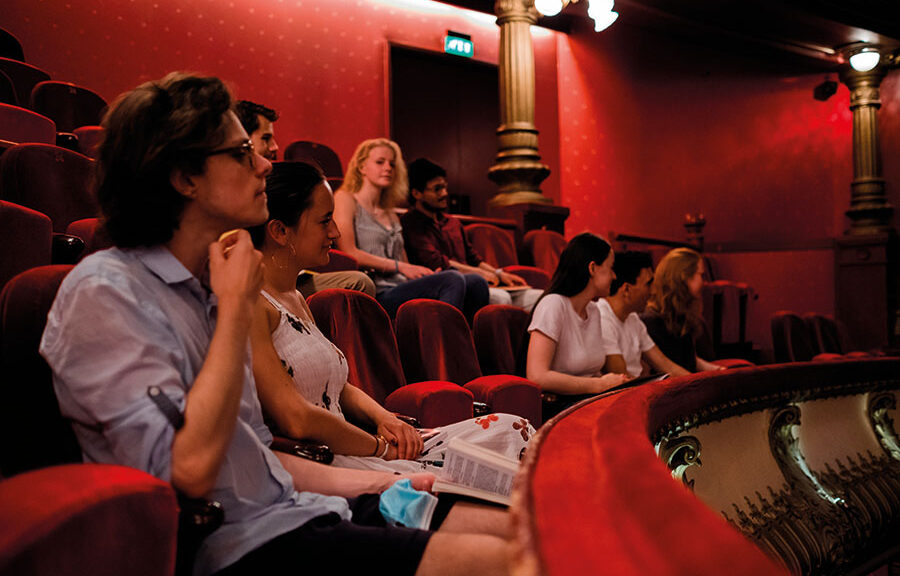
[870,212]
[517,170]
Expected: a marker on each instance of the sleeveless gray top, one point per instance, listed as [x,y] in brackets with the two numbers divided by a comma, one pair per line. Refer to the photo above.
[374,238]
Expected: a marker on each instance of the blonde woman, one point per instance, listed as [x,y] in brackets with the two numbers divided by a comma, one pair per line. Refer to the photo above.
[673,316]
[370,232]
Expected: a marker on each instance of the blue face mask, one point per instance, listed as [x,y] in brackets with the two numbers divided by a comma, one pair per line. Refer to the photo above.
[403,505]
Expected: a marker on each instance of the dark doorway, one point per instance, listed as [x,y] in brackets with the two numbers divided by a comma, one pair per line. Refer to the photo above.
[446,108]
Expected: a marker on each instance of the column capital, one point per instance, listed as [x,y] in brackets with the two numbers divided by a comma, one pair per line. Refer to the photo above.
[515,11]
[864,86]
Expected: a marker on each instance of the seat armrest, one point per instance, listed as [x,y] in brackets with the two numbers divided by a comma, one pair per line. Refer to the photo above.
[433,403]
[308,449]
[480,408]
[66,248]
[408,420]
[535,277]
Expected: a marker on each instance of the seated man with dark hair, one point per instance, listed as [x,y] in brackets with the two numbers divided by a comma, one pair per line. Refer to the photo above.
[436,240]
[625,337]
[258,121]
[148,343]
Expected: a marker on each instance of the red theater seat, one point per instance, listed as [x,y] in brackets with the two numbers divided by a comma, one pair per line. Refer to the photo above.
[19,125]
[319,155]
[24,77]
[87,519]
[435,343]
[500,333]
[360,327]
[88,229]
[88,139]
[29,412]
[498,248]
[544,246]
[69,105]
[25,240]
[49,179]
[790,338]
[10,47]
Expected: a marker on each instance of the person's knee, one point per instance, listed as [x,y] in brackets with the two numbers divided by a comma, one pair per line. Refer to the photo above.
[500,296]
[465,554]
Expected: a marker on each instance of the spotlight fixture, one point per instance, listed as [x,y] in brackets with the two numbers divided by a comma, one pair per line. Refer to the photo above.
[600,11]
[865,59]
[825,90]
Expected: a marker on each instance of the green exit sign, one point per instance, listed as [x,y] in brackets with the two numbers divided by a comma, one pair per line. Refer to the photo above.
[459,44]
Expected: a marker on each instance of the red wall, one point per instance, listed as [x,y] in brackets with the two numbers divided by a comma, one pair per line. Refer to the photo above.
[322,64]
[653,128]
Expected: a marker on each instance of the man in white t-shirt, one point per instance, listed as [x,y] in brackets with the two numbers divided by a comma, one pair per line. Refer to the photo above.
[625,337]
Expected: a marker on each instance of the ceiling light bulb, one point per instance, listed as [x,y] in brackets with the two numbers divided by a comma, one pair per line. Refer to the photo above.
[548,7]
[865,60]
[601,13]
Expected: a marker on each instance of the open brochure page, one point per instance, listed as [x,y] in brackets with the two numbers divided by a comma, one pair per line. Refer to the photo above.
[473,471]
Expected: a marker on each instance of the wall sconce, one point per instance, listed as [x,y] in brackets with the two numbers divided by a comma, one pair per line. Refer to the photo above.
[865,58]
[600,11]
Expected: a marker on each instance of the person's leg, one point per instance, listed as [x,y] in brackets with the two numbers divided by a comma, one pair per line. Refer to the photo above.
[448,554]
[500,296]
[447,286]
[526,299]
[477,295]
[346,279]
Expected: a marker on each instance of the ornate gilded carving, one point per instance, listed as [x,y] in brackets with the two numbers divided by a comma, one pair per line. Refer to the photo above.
[819,521]
[786,449]
[882,424]
[680,454]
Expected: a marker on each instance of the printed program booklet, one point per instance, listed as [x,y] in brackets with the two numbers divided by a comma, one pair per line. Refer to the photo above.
[473,471]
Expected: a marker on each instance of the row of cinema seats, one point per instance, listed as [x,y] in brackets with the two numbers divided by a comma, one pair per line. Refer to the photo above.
[442,389]
[812,336]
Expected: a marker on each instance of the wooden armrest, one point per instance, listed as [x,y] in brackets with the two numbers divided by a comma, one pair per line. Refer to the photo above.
[309,449]
[480,409]
[408,420]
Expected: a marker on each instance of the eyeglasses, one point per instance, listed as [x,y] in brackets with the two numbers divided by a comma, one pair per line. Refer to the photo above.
[244,150]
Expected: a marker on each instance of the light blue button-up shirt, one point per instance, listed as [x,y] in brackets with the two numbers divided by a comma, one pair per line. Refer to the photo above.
[125,320]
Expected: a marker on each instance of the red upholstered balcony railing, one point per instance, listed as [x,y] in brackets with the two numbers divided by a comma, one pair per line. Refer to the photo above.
[791,468]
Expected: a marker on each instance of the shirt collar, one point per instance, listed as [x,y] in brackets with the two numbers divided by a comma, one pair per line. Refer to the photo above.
[163,264]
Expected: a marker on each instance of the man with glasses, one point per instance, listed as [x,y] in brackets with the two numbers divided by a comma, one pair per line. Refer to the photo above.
[437,240]
[148,343]
[258,120]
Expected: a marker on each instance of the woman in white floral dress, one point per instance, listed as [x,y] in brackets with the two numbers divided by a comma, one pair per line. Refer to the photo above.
[302,377]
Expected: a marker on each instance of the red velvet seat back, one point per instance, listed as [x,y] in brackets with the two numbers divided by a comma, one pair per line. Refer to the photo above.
[317,154]
[29,412]
[825,334]
[10,47]
[89,138]
[20,125]
[545,246]
[49,179]
[24,77]
[358,325]
[25,240]
[499,332]
[93,235]
[435,342]
[790,338]
[7,90]
[496,246]
[87,519]
[67,104]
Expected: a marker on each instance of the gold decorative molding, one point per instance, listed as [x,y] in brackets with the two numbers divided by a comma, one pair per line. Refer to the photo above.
[882,424]
[680,454]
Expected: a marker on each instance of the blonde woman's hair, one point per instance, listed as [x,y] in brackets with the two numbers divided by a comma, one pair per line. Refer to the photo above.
[670,296]
[353,180]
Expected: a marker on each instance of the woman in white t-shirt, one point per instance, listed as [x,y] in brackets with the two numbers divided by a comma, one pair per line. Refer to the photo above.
[565,351]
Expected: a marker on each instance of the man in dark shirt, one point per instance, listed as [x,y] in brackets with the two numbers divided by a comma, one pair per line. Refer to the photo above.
[437,241]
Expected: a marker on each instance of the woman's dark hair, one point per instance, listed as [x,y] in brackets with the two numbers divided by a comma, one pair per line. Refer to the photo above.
[289,189]
[572,273]
[156,128]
